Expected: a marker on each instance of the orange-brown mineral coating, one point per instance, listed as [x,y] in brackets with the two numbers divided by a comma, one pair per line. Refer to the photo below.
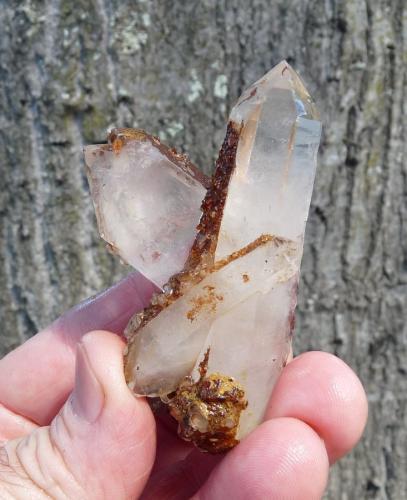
[208,300]
[208,411]
[203,249]
[201,255]
[118,137]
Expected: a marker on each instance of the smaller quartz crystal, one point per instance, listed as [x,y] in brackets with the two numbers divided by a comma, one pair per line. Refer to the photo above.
[147,200]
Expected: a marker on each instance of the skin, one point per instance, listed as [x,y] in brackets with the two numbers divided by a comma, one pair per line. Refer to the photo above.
[70,428]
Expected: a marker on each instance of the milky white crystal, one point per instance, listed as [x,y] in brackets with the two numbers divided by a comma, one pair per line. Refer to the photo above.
[190,322]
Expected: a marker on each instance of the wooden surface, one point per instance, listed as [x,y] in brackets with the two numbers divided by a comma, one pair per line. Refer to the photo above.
[69,70]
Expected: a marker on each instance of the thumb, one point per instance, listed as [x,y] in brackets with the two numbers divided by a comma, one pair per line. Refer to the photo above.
[100,445]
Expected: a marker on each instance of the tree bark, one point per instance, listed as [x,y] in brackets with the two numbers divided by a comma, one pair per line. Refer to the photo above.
[69,70]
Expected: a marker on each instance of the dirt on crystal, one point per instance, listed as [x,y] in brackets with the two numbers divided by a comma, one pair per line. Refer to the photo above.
[208,411]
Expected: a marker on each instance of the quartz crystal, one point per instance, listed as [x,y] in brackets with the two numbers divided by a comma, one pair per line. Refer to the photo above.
[147,200]
[212,344]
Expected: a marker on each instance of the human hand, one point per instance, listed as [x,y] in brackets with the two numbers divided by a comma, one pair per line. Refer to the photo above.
[79,433]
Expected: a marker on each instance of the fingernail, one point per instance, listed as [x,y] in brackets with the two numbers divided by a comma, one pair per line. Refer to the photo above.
[87,397]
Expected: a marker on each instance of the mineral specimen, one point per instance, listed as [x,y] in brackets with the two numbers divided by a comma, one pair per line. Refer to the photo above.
[212,344]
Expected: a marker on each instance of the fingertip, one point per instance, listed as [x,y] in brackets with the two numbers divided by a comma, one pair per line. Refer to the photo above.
[283,458]
[105,353]
[122,411]
[110,431]
[320,389]
[96,340]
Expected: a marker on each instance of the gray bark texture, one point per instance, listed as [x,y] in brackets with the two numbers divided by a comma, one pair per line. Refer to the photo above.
[70,70]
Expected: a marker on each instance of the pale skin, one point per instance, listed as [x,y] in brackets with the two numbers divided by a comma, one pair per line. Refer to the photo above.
[70,428]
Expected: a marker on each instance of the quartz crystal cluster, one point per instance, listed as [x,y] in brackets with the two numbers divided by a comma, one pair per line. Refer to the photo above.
[225,253]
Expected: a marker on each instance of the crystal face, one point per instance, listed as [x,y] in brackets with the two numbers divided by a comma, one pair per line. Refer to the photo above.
[214,342]
[147,201]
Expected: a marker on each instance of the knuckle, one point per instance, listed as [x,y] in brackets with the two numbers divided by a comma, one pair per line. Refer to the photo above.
[36,465]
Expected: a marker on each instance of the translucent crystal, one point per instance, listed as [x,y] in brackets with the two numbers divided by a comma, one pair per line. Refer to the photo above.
[191,322]
[147,201]
[214,342]
[271,188]
[269,193]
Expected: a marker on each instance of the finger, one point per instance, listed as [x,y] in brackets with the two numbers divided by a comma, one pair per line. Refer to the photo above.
[100,445]
[324,392]
[36,378]
[182,479]
[179,468]
[111,308]
[170,448]
[283,458]
[13,426]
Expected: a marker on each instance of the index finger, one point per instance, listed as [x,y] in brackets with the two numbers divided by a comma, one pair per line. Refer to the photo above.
[37,377]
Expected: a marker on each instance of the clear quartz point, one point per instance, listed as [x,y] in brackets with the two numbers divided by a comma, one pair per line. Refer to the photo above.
[270,191]
[215,341]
